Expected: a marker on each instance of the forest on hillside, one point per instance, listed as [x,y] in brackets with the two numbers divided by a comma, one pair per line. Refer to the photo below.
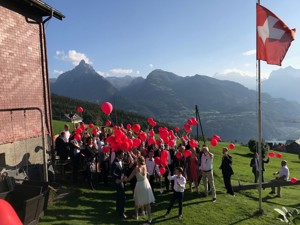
[93,114]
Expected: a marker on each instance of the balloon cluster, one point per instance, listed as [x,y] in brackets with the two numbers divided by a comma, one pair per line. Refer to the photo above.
[152,122]
[162,161]
[272,154]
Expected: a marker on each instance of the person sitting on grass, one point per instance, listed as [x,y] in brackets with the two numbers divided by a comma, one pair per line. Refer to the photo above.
[179,185]
[283,175]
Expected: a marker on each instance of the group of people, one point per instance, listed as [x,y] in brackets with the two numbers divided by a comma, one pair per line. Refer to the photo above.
[281,175]
[138,170]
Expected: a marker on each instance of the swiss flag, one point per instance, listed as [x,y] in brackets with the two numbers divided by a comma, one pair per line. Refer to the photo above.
[273,36]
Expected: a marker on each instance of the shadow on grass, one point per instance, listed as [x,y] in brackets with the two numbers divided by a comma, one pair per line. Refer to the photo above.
[247,155]
[253,215]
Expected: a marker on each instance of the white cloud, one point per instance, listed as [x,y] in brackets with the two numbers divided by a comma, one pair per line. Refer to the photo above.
[241,72]
[57,72]
[137,72]
[73,57]
[250,52]
[121,71]
[151,65]
[102,73]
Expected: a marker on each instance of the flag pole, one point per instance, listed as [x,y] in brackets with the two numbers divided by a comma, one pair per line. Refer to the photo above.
[259,129]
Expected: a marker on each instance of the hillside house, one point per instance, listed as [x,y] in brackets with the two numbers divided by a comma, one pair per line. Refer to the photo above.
[25,107]
[293,147]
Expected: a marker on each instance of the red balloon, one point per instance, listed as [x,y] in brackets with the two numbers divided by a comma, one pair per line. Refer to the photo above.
[106,149]
[271,154]
[151,133]
[108,123]
[185,137]
[164,163]
[153,124]
[136,128]
[216,137]
[95,131]
[157,160]
[187,128]
[107,108]
[177,129]
[187,153]
[91,125]
[111,139]
[80,109]
[77,137]
[171,143]
[178,155]
[150,120]
[8,216]
[143,136]
[278,155]
[158,142]
[78,131]
[194,121]
[82,127]
[128,126]
[189,122]
[231,146]
[193,143]
[294,180]
[136,142]
[213,142]
[162,170]
[163,134]
[151,141]
[124,145]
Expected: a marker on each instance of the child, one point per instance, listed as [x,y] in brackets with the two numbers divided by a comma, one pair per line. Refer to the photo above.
[179,185]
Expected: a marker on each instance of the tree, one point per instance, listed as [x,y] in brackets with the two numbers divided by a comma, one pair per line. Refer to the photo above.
[252,145]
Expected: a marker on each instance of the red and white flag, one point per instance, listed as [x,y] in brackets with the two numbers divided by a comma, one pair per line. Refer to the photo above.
[273,36]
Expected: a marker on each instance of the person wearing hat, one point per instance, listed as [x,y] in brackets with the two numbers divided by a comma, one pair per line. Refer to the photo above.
[179,185]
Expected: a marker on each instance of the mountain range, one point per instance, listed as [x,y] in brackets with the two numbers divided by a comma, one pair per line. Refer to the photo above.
[226,108]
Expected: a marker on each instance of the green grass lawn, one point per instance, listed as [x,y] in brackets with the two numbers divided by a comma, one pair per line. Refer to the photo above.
[83,206]
[58,126]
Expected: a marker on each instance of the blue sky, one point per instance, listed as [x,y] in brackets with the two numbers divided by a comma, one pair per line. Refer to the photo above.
[134,37]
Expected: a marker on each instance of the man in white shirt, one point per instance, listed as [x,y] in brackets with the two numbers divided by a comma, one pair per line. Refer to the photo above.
[151,168]
[283,175]
[207,172]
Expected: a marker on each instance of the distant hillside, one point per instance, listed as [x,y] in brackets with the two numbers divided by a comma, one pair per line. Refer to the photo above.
[283,83]
[226,108]
[93,114]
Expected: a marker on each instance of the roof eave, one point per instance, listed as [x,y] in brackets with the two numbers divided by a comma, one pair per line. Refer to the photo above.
[46,8]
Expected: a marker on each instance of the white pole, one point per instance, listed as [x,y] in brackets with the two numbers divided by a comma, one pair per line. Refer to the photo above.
[259,133]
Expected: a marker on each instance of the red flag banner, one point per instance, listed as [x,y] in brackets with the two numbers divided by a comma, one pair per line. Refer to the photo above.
[273,36]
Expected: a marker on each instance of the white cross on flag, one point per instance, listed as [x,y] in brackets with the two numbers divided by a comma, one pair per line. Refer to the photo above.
[274,37]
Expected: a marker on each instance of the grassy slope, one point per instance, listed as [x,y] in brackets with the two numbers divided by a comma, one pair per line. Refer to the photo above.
[87,207]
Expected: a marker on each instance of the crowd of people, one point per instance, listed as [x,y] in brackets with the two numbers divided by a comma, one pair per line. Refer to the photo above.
[136,166]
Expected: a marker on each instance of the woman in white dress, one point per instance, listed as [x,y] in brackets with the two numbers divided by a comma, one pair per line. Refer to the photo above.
[143,194]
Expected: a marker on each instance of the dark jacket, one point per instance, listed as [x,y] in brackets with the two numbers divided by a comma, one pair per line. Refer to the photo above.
[226,166]
[253,165]
[116,170]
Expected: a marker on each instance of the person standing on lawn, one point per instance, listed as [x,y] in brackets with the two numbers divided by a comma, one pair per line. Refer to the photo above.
[207,172]
[227,171]
[179,185]
[117,172]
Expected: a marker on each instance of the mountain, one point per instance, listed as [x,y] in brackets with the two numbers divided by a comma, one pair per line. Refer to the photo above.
[247,81]
[122,82]
[283,83]
[226,108]
[84,83]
